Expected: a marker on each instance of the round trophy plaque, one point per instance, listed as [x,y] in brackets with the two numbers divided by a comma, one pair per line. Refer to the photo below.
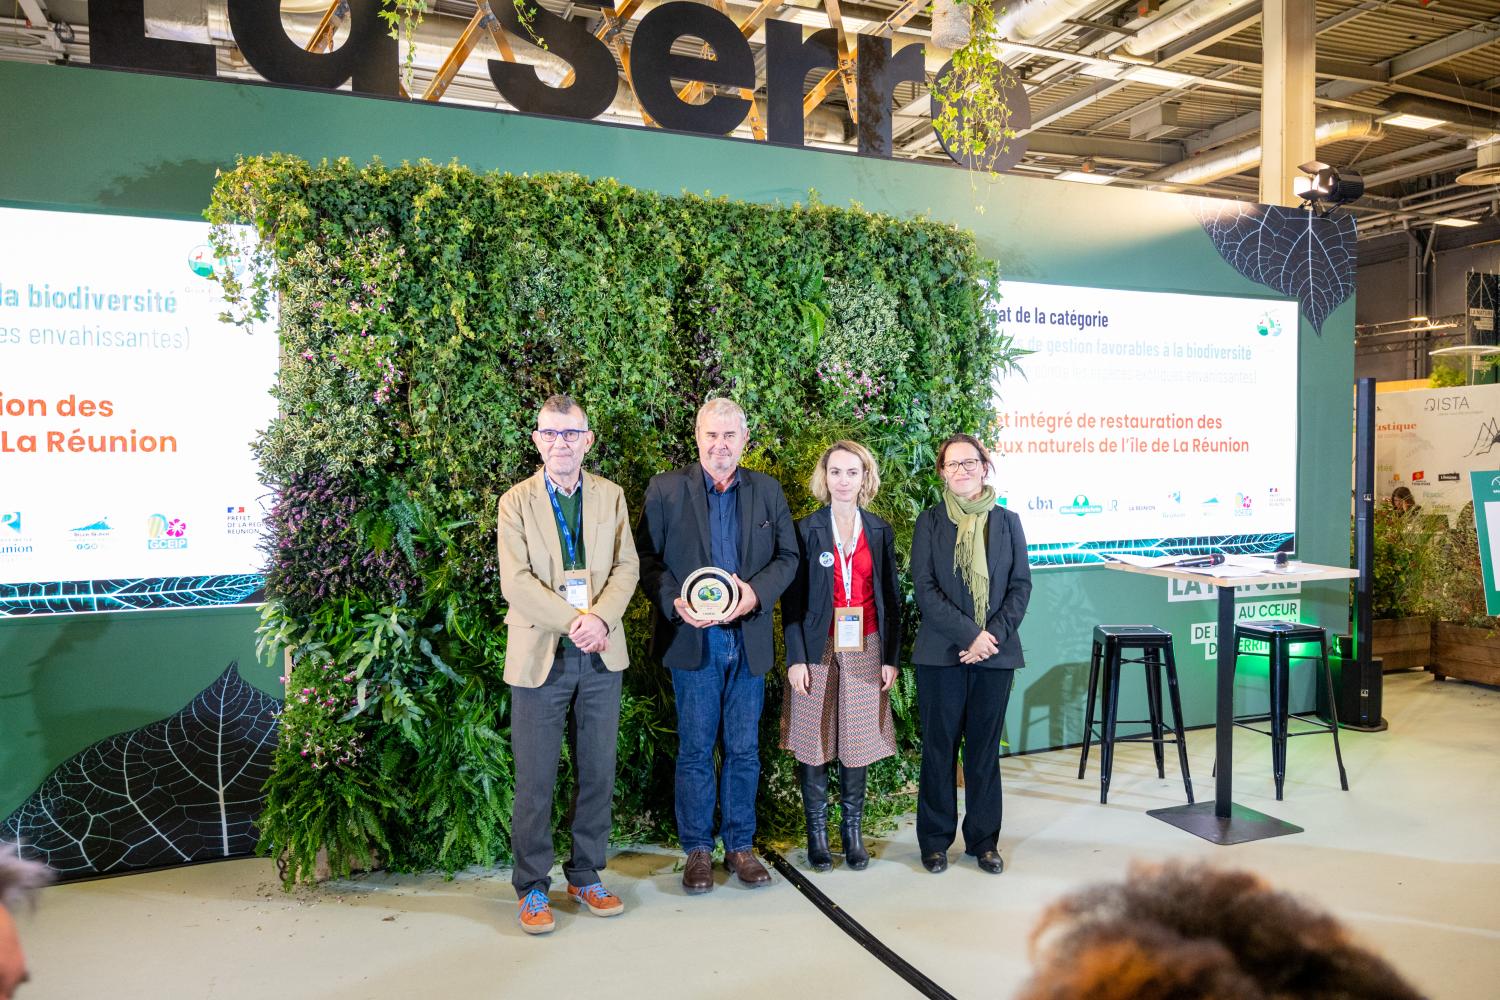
[711,594]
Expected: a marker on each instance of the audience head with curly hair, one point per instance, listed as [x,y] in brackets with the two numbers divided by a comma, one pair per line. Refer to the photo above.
[1190,932]
[18,881]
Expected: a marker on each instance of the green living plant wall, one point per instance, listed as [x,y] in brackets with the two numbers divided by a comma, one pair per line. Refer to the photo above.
[425,311]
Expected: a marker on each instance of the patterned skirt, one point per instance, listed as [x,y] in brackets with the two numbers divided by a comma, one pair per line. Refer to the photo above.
[845,716]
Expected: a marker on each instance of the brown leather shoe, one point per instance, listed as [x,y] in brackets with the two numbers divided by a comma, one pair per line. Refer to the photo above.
[747,867]
[698,876]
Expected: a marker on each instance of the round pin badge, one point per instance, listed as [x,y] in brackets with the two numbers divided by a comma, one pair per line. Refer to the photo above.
[825,560]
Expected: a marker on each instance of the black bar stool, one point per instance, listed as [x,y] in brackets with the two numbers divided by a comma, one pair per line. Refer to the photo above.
[1110,641]
[1280,636]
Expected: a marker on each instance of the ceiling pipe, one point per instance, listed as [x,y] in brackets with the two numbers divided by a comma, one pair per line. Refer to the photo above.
[1028,20]
[1169,27]
[1234,157]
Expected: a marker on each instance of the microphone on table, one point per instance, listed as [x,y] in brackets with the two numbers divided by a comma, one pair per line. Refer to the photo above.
[1213,559]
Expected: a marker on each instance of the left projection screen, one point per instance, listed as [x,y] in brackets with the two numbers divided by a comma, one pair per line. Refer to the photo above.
[127,411]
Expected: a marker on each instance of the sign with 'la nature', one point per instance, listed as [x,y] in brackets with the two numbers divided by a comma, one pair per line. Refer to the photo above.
[369,61]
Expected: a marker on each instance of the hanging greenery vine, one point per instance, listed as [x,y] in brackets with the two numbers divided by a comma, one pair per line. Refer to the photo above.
[404,17]
[971,112]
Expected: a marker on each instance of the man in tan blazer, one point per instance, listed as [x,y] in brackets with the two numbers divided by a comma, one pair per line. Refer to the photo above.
[568,568]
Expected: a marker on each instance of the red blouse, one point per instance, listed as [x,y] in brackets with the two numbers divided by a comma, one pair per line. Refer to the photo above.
[862,591]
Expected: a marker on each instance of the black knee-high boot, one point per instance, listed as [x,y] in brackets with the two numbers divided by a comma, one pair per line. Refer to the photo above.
[815,808]
[852,800]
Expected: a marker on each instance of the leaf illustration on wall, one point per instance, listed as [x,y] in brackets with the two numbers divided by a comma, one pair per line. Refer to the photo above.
[19,599]
[186,788]
[1299,254]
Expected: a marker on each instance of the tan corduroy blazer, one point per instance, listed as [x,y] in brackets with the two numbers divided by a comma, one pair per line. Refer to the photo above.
[531,574]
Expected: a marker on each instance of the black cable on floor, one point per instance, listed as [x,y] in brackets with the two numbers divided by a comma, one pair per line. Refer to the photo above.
[869,942]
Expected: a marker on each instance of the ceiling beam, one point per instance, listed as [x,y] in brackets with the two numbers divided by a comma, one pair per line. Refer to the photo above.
[1082,99]
[1358,77]
[1208,39]
[1421,149]
[1368,7]
[1223,132]
[1134,150]
[1440,51]
[1144,106]
[1431,86]
[1334,69]
[1443,161]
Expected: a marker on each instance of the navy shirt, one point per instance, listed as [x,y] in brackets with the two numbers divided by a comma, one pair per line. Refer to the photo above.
[723,524]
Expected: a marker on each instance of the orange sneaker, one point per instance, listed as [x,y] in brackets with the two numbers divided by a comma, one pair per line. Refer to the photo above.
[534,913]
[600,901]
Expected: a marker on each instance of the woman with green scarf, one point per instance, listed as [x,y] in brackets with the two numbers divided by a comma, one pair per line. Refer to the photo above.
[972,582]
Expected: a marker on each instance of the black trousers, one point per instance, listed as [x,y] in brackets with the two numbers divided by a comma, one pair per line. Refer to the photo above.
[580,696]
[960,704]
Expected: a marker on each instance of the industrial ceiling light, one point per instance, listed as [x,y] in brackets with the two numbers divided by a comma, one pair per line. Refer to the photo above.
[1326,187]
[1456,223]
[1404,120]
[1084,178]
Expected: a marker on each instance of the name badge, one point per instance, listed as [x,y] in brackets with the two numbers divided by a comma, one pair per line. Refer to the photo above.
[576,589]
[849,630]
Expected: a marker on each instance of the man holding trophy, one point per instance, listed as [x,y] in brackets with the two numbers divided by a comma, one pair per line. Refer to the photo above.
[717,548]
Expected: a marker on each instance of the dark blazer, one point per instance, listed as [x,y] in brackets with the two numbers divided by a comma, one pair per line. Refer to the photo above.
[807,607]
[947,608]
[672,539]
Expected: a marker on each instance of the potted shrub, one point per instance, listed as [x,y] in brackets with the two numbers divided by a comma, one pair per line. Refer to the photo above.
[1401,634]
[1466,640]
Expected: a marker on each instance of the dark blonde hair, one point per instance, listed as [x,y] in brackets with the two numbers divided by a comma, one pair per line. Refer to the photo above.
[818,485]
[953,439]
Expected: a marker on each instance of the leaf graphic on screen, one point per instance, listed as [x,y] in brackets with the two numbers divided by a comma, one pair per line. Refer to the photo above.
[1082,553]
[74,596]
[185,788]
[1299,254]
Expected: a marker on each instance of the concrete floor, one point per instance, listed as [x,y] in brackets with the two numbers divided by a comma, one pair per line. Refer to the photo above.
[1410,859]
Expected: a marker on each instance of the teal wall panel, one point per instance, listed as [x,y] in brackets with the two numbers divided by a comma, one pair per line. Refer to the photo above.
[99,140]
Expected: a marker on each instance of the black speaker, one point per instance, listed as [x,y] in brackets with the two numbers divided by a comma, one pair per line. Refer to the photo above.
[1357,678]
[1357,685]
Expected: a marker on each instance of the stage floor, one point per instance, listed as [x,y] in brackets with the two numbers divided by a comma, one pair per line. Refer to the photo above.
[1410,859]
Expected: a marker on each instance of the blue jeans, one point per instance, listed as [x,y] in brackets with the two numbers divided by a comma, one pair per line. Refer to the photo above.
[720,700]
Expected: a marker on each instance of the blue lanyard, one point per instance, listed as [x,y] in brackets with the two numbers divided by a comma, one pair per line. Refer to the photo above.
[562,522]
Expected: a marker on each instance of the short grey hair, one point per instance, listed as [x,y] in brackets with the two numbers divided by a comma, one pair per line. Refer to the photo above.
[19,878]
[722,406]
[560,403]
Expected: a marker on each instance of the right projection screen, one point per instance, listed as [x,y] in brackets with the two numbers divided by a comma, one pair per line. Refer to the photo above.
[1147,423]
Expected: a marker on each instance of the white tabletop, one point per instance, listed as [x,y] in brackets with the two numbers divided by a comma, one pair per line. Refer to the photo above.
[1300,571]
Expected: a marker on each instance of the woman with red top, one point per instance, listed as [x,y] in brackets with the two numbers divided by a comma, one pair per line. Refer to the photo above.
[841,622]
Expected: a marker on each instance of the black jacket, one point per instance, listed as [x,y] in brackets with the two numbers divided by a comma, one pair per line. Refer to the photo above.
[807,607]
[947,608]
[672,539]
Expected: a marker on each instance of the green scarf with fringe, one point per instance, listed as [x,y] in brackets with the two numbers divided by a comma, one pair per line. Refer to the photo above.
[970,560]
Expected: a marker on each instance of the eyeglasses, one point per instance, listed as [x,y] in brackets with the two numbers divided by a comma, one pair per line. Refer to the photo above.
[571,435]
[968,465]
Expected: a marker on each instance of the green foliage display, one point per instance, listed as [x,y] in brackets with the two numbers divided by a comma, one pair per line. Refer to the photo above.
[1453,588]
[1446,375]
[1426,567]
[425,311]
[1402,549]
